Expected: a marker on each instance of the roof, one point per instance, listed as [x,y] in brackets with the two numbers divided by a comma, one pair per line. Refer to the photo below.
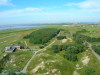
[11,48]
[16,46]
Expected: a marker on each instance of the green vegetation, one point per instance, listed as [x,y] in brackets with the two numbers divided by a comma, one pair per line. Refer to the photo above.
[10,72]
[96,49]
[50,63]
[92,66]
[89,71]
[71,57]
[3,61]
[60,58]
[70,50]
[42,36]
[79,38]
[17,60]
[61,37]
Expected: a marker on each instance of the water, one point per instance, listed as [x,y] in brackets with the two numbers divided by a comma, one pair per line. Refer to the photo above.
[5,27]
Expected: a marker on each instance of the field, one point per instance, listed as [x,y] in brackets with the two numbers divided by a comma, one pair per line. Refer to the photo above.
[46,61]
[18,60]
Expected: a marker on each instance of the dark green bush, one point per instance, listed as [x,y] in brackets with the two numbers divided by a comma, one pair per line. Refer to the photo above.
[42,36]
[89,71]
[61,37]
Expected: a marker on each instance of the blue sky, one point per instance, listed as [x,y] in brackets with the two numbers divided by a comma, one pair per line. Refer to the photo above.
[48,11]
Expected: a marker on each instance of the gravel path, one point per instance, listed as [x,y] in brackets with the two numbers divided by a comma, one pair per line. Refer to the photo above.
[96,55]
[25,68]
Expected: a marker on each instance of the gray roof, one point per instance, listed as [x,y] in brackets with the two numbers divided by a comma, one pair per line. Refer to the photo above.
[10,48]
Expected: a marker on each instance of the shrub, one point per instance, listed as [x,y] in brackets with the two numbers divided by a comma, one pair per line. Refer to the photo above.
[89,71]
[61,37]
[71,57]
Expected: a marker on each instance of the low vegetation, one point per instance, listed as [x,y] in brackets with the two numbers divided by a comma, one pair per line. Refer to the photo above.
[10,72]
[17,60]
[50,63]
[3,61]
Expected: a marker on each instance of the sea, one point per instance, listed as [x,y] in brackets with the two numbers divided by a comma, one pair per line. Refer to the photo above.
[19,26]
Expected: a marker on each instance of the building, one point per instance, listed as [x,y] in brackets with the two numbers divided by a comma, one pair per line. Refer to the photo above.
[17,47]
[12,48]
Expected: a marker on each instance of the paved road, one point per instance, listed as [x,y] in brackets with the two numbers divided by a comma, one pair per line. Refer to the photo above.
[25,68]
[96,55]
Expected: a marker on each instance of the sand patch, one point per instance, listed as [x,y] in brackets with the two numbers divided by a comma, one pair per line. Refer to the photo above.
[85,60]
[75,73]
[78,67]
[40,66]
[64,40]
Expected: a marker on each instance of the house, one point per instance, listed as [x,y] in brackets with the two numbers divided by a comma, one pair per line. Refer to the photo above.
[17,47]
[12,48]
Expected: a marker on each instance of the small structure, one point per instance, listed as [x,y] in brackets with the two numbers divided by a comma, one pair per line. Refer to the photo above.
[17,47]
[12,48]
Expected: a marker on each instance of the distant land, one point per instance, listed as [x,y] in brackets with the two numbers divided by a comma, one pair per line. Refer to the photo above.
[18,26]
[27,26]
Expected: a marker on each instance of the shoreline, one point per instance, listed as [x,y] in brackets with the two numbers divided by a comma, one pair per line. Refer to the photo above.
[10,27]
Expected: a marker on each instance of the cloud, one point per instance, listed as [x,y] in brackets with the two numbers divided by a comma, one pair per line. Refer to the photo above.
[6,2]
[86,4]
[23,10]
[19,12]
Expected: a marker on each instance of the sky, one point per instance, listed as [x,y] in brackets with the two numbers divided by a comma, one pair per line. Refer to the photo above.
[49,11]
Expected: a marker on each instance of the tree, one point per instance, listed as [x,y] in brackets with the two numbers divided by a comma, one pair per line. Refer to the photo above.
[55,48]
[89,71]
[61,37]
[42,36]
[71,57]
[71,50]
[96,49]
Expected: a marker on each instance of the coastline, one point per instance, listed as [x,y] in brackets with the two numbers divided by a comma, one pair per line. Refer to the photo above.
[11,27]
